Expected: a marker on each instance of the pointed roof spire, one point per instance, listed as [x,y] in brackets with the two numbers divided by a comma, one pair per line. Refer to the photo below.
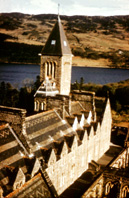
[58,9]
[57,43]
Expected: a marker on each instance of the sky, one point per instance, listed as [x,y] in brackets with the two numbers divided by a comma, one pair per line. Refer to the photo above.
[67,7]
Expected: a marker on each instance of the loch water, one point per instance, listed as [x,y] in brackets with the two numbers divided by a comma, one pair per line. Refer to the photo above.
[19,74]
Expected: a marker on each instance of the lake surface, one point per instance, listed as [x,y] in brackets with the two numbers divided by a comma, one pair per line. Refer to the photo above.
[17,75]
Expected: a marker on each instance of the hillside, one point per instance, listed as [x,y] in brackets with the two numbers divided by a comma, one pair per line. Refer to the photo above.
[95,41]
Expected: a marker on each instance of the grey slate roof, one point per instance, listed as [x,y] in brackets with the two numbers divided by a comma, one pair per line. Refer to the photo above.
[9,148]
[57,44]
[10,157]
[45,127]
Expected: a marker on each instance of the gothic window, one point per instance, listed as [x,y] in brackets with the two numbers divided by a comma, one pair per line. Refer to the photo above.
[47,69]
[108,188]
[125,190]
[35,105]
[50,72]
[42,106]
[119,164]
[123,162]
[97,190]
[54,74]
[91,196]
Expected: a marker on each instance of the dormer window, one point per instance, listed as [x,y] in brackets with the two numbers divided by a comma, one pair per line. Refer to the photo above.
[65,44]
[53,42]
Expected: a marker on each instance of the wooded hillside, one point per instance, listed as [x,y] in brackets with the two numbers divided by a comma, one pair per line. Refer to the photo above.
[100,41]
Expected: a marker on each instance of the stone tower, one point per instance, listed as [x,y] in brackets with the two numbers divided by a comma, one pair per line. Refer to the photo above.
[55,72]
[56,60]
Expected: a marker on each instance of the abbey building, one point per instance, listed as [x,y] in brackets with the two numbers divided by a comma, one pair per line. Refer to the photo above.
[64,149]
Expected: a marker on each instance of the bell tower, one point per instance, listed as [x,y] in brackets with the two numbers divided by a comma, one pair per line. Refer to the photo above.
[55,73]
[56,59]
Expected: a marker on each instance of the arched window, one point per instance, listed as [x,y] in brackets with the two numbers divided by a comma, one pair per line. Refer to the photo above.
[54,74]
[119,164]
[42,106]
[50,69]
[125,190]
[98,189]
[108,188]
[47,69]
[35,106]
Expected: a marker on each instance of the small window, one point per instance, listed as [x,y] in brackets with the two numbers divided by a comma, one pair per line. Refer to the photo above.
[65,44]
[53,42]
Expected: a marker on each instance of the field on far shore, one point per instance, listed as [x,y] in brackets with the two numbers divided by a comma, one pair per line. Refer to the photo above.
[85,62]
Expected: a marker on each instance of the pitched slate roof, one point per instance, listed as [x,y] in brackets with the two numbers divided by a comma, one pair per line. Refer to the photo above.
[10,156]
[44,128]
[9,147]
[57,44]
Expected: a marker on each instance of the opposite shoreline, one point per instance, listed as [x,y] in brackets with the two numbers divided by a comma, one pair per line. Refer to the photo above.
[78,62]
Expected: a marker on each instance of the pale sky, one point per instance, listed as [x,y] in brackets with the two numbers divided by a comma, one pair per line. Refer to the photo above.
[67,7]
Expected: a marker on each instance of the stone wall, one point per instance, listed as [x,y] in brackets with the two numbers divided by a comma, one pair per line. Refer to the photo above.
[59,102]
[16,119]
[76,153]
[106,125]
[66,70]
[96,189]
[75,158]
[63,67]
[73,163]
[87,99]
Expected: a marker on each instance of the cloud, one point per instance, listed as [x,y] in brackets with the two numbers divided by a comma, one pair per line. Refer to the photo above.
[105,8]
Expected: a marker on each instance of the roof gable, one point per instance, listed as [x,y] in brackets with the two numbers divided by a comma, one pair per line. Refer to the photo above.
[19,180]
[52,158]
[36,167]
[57,43]
[75,143]
[64,149]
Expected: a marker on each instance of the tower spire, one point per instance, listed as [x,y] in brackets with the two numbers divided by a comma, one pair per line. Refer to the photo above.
[58,9]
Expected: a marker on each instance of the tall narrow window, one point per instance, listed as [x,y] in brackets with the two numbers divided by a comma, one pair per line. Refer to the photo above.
[35,105]
[50,69]
[42,105]
[47,69]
